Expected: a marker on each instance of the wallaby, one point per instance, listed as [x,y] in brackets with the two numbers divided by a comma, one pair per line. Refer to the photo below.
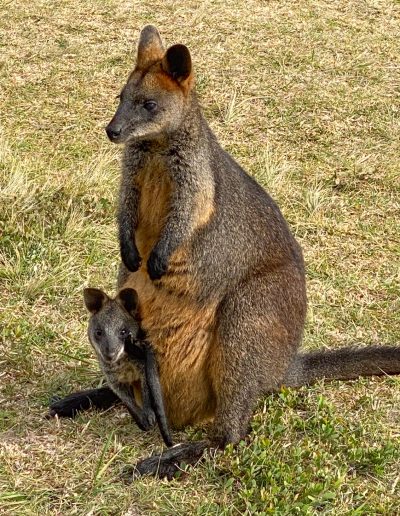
[125,357]
[219,275]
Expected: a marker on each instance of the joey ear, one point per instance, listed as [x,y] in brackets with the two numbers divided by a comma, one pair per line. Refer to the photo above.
[94,299]
[177,62]
[150,47]
[129,299]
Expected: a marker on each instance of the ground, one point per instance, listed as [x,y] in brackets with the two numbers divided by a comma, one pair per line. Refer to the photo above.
[306,96]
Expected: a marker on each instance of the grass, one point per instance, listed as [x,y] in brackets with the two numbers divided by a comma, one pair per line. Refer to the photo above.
[305,95]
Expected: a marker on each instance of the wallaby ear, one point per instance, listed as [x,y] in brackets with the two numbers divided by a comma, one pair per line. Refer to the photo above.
[94,299]
[129,299]
[150,47]
[177,62]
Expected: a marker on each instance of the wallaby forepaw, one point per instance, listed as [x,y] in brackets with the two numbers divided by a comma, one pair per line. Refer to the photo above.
[157,265]
[145,420]
[130,257]
[149,419]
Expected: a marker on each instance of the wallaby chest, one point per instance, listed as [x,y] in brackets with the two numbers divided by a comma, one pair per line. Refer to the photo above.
[155,187]
[123,371]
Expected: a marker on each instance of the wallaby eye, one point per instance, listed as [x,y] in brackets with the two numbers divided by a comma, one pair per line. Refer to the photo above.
[150,105]
[123,333]
[98,332]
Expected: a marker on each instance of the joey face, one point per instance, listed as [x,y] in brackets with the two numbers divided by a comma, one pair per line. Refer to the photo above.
[113,322]
[109,330]
[154,101]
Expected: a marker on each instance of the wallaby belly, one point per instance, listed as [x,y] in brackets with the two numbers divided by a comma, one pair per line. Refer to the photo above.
[181,332]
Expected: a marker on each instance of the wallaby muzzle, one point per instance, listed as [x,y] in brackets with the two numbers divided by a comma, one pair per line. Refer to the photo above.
[116,129]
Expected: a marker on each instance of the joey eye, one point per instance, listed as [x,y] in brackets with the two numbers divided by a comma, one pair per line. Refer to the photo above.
[98,332]
[150,105]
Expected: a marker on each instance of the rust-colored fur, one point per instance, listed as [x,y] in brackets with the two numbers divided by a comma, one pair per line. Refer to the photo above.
[181,334]
[155,186]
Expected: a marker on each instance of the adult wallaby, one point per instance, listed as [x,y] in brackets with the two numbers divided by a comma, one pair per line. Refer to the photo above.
[219,276]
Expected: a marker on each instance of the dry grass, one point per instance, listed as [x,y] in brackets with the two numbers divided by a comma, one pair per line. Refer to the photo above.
[306,96]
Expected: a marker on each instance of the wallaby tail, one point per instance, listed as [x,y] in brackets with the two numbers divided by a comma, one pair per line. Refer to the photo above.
[343,364]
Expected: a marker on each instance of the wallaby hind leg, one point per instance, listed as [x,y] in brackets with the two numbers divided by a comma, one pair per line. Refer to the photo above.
[250,356]
[234,409]
[257,337]
[223,432]
[102,398]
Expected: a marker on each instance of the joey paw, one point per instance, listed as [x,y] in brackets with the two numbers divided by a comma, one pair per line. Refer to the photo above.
[146,420]
[60,408]
[149,418]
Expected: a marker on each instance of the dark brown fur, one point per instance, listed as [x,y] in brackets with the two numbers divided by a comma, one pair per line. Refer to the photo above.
[219,275]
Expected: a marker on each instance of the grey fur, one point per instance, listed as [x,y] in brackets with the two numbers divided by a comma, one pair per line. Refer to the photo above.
[124,357]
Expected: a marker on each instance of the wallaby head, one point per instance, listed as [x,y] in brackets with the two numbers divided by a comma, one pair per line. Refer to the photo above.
[112,322]
[155,99]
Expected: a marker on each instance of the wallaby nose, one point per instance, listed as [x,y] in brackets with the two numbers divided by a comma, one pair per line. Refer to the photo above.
[107,355]
[113,132]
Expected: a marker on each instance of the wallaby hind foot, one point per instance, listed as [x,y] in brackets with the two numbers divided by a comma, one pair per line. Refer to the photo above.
[102,399]
[168,463]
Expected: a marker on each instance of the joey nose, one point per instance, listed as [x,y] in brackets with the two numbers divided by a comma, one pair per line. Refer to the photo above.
[107,356]
[113,132]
